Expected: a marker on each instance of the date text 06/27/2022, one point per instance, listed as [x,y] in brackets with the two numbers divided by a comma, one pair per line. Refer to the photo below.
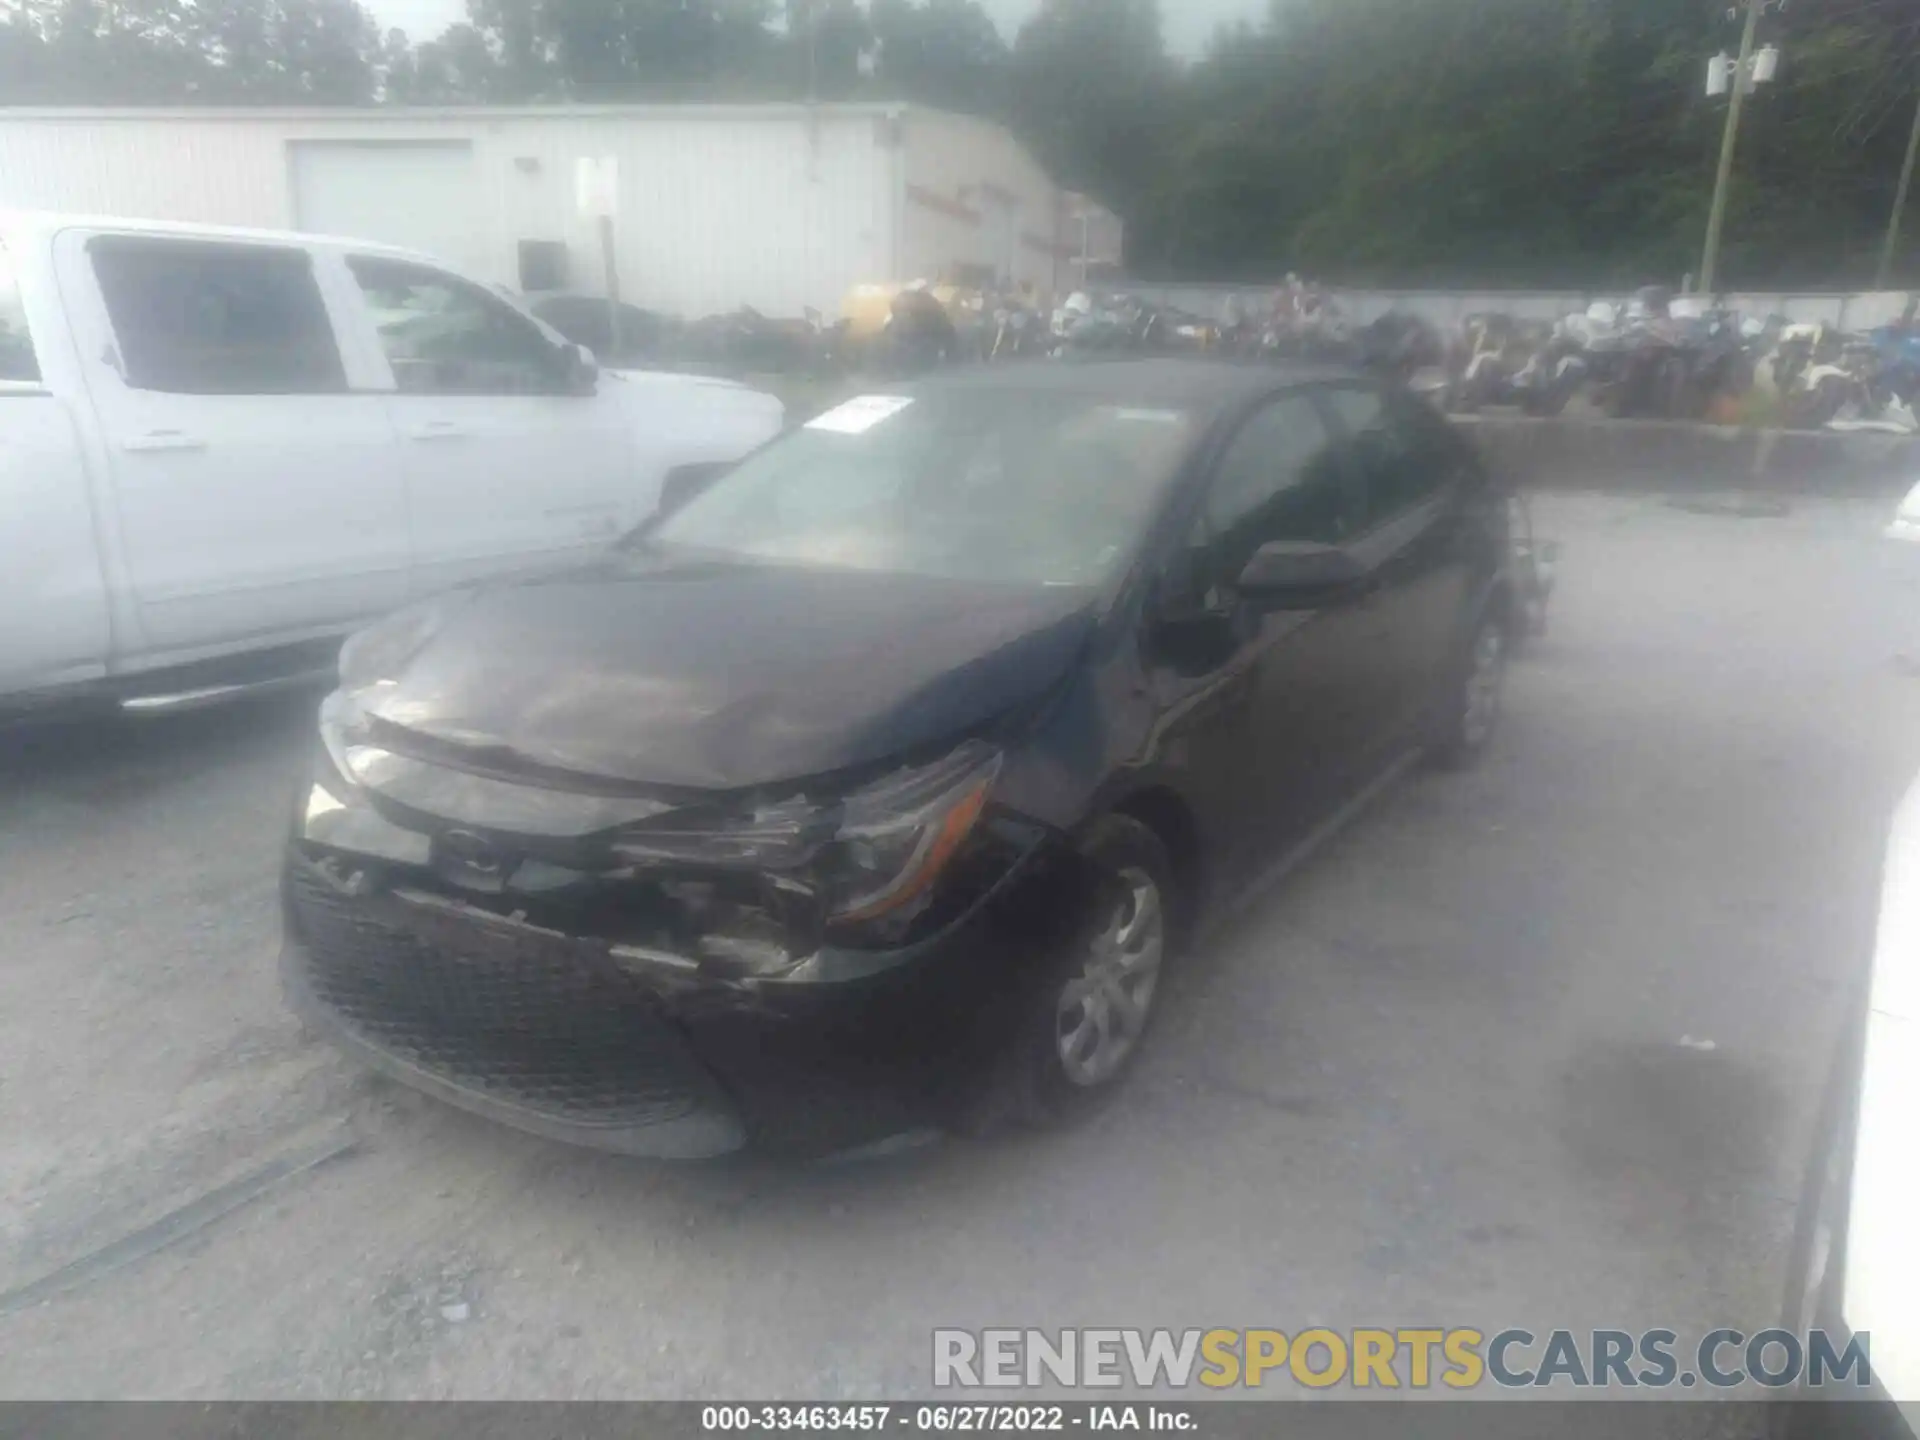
[945,1418]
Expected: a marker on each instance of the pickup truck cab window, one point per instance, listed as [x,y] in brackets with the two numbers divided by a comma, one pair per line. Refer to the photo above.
[195,318]
[17,361]
[443,336]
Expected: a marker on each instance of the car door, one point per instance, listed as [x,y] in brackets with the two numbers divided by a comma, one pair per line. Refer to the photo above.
[255,495]
[54,627]
[507,459]
[1262,700]
[1419,480]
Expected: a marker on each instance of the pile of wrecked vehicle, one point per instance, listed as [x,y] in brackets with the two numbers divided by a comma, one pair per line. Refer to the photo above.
[1679,358]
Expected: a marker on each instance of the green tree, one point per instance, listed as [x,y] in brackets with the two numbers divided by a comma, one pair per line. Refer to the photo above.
[944,53]
[1090,88]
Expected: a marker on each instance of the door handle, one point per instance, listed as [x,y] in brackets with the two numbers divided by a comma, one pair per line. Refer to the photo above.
[163,440]
[439,430]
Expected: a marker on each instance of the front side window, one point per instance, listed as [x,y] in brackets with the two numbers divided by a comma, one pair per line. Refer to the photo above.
[443,336]
[194,318]
[1401,448]
[1280,479]
[1010,485]
[17,360]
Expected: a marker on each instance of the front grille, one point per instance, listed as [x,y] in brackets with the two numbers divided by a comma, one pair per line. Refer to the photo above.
[546,1027]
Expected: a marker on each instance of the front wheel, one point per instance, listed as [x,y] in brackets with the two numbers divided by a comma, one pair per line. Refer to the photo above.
[1470,708]
[1088,1015]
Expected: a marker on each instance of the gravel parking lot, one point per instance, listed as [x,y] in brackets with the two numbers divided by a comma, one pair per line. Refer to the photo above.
[1535,1045]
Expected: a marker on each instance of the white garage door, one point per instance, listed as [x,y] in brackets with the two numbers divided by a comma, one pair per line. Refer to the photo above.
[422,195]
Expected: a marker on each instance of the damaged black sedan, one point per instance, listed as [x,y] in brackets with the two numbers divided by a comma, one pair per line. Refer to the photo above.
[878,785]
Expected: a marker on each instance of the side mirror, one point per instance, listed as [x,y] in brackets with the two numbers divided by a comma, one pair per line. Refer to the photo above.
[579,371]
[1284,570]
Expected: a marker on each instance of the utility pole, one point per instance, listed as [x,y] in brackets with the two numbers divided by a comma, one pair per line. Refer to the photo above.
[1899,205]
[1718,214]
[813,53]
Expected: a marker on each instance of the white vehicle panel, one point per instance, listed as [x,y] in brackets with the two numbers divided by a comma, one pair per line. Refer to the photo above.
[1883,1227]
[239,515]
[53,626]
[1882,1277]
[690,420]
[496,474]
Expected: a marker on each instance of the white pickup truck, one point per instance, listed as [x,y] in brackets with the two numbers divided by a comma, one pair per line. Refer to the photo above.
[222,449]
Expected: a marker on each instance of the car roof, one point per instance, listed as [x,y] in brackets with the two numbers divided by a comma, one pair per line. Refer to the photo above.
[1191,382]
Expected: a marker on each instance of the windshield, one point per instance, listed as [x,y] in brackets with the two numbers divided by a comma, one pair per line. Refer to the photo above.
[17,360]
[1029,487]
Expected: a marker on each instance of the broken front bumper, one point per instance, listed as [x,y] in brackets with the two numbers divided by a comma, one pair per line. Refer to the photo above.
[523,1026]
[631,1049]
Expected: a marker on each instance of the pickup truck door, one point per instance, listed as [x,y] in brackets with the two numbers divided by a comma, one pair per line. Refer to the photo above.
[509,460]
[53,628]
[255,495]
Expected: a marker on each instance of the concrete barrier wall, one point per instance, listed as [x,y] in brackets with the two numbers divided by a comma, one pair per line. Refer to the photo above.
[1666,457]
[1446,308]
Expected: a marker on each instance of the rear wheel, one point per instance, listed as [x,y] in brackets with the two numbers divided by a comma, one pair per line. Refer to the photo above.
[1470,709]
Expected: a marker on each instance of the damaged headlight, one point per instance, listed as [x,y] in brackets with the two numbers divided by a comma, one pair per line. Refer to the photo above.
[869,854]
[897,835]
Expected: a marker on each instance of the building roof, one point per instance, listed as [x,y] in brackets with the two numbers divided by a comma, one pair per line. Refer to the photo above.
[401,114]
[43,224]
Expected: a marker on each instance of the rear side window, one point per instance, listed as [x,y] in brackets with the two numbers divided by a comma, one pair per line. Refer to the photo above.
[209,319]
[17,360]
[1402,450]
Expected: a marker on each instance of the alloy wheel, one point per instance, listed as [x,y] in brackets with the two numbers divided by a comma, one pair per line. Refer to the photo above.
[1480,700]
[1103,1008]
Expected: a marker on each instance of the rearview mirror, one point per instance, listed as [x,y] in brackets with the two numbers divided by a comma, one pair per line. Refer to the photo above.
[1281,569]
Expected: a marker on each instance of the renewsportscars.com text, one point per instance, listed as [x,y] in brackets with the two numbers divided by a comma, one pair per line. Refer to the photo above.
[1401,1358]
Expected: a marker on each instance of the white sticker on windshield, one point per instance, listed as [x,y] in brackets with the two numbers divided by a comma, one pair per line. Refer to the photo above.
[1151,417]
[860,414]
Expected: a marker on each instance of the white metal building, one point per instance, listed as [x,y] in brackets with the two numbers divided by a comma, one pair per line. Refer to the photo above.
[774,206]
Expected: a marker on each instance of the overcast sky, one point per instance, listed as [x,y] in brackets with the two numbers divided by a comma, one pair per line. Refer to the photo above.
[1188,22]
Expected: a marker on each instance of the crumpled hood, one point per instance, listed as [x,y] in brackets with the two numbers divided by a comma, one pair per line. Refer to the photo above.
[721,675]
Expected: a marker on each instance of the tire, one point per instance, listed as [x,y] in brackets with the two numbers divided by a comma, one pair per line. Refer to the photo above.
[1470,707]
[1049,1079]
